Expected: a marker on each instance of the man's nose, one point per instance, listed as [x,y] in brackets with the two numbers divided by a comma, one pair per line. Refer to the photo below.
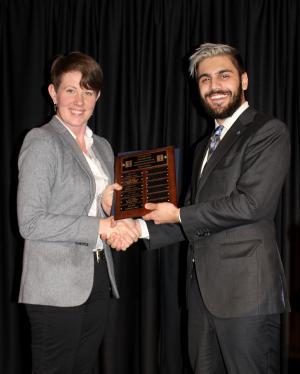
[215,83]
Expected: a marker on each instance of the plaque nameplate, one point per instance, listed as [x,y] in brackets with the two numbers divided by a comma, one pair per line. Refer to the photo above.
[146,177]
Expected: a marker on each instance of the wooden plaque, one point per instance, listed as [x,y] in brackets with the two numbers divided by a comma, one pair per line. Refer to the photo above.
[146,176]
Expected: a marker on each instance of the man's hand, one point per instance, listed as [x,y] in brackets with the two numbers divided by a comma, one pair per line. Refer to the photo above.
[162,213]
[107,196]
[121,234]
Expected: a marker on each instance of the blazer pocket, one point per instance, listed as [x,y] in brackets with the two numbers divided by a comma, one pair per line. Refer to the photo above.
[239,249]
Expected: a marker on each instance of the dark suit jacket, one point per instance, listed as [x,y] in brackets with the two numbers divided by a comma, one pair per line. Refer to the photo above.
[229,219]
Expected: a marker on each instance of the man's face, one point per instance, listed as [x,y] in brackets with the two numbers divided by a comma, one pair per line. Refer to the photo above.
[221,87]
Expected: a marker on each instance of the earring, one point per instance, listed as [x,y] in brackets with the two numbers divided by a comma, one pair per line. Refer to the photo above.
[55,107]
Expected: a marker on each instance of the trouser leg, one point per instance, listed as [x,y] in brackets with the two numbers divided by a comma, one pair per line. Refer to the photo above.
[250,345]
[65,340]
[247,345]
[204,350]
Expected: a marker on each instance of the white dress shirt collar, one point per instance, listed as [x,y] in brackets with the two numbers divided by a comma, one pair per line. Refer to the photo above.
[88,136]
[229,121]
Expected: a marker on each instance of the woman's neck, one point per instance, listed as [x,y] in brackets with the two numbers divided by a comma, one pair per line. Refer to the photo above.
[79,133]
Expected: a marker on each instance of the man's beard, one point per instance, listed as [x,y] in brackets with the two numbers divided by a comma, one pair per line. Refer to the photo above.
[223,112]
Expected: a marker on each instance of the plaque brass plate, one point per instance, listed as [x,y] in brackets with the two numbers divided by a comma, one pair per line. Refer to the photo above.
[146,176]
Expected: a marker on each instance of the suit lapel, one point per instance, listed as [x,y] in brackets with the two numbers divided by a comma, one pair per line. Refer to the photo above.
[71,143]
[233,134]
[197,163]
[102,159]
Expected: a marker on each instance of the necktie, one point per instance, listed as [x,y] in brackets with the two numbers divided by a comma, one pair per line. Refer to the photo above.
[214,140]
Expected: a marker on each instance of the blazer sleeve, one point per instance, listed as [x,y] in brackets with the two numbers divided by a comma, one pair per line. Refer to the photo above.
[255,196]
[163,235]
[38,163]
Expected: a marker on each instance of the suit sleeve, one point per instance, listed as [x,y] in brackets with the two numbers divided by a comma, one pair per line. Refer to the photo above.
[38,162]
[163,235]
[257,190]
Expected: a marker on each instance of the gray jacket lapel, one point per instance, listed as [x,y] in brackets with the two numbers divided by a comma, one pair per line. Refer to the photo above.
[71,143]
[100,156]
[111,270]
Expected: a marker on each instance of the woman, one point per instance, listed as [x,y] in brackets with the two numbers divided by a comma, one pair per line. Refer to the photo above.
[68,273]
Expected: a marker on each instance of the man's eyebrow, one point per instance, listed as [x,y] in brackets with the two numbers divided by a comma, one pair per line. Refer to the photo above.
[203,75]
[217,73]
[225,71]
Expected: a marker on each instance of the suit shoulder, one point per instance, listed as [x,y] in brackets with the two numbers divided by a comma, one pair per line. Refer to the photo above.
[278,128]
[102,143]
[43,133]
[269,131]
[268,120]
[40,141]
[267,125]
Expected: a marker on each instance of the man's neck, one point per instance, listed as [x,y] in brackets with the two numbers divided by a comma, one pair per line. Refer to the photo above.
[235,115]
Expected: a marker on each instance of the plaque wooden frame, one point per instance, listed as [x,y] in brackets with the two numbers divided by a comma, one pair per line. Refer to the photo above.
[146,176]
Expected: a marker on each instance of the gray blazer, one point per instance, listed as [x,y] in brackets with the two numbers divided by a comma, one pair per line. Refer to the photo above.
[55,192]
[229,219]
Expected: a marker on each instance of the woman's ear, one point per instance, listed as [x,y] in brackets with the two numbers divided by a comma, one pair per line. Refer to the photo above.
[52,93]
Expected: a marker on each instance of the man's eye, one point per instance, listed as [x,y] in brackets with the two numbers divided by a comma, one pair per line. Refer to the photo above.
[204,80]
[224,76]
[70,90]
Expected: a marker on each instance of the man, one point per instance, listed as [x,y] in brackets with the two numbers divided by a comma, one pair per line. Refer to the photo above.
[235,280]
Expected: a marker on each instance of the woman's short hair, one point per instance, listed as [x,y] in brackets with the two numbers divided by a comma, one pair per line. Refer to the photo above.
[207,50]
[91,71]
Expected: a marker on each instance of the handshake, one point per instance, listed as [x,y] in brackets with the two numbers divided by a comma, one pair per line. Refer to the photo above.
[123,233]
[119,234]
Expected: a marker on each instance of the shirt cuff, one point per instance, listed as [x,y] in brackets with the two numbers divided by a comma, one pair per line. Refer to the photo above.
[144,229]
[179,216]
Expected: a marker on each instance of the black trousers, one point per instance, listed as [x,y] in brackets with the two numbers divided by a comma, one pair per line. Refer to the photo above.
[66,340]
[248,345]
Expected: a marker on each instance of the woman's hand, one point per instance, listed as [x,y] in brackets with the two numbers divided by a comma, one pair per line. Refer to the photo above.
[107,197]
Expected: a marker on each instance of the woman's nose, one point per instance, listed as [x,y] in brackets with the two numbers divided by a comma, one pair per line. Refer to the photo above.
[79,99]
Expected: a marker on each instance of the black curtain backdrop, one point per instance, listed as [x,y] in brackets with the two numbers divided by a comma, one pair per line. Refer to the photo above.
[147,101]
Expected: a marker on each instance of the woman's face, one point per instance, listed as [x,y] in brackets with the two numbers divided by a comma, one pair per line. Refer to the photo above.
[75,105]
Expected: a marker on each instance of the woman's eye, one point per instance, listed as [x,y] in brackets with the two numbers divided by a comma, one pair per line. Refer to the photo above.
[89,93]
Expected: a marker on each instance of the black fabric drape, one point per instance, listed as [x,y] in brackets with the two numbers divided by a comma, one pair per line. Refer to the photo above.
[147,101]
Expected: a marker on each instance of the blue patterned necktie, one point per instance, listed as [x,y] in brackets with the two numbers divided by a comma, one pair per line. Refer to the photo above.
[214,140]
